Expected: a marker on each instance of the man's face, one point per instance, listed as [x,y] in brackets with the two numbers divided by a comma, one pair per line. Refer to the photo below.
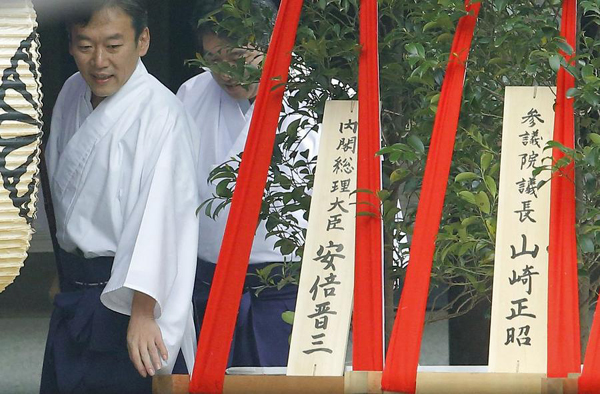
[219,50]
[106,51]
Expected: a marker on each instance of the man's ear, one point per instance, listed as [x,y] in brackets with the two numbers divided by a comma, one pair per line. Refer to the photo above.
[144,42]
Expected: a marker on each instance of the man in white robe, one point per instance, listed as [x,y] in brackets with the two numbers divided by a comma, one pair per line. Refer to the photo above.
[121,162]
[222,108]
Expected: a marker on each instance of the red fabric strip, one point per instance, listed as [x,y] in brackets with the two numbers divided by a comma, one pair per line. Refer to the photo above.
[563,301]
[589,382]
[400,372]
[367,350]
[221,313]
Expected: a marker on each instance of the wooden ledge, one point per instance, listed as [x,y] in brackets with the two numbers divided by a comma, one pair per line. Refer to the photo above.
[256,384]
[362,382]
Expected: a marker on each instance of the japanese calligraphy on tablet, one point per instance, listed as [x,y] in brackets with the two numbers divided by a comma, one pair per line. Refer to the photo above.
[518,338]
[323,309]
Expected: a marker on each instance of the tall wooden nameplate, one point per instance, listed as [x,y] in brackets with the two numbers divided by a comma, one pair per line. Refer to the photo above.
[324,306]
[518,337]
[20,133]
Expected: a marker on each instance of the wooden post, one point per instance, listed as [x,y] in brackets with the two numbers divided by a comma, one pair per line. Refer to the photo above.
[362,382]
[170,384]
[568,385]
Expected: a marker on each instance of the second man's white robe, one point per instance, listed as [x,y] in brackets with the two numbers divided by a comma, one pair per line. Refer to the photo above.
[223,125]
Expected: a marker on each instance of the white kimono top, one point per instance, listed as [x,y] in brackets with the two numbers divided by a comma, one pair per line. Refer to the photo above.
[123,184]
[223,129]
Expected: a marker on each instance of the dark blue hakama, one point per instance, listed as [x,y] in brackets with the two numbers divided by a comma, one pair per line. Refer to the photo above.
[86,350]
[261,337]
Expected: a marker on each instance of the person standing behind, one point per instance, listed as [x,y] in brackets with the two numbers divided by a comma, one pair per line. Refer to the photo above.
[121,161]
[223,107]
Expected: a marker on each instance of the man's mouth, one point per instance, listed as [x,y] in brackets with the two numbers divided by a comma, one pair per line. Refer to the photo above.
[101,78]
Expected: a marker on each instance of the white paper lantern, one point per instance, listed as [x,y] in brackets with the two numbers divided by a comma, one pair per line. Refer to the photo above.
[20,133]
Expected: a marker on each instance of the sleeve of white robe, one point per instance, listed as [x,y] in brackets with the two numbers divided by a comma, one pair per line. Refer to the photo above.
[156,254]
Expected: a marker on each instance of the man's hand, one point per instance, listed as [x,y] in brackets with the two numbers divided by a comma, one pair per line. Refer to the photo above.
[144,339]
[54,289]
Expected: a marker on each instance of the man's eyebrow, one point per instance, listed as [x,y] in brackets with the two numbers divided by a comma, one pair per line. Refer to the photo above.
[82,37]
[116,36]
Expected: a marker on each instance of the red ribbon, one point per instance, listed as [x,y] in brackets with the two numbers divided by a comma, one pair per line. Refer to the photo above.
[367,351]
[400,372]
[589,382]
[225,295]
[563,301]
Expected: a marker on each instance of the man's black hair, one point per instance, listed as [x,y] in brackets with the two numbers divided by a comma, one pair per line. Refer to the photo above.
[208,13]
[83,13]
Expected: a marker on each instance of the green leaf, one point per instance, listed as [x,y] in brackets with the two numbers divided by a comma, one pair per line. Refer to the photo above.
[554,61]
[292,129]
[430,25]
[483,202]
[208,207]
[470,220]
[368,191]
[420,50]
[491,185]
[398,175]
[265,273]
[385,150]
[462,233]
[271,223]
[391,214]
[591,98]
[500,4]
[467,196]
[411,49]
[465,176]
[591,157]
[464,248]
[394,156]
[416,143]
[573,92]
[363,213]
[595,138]
[288,317]
[383,194]
[444,37]
[565,47]
[287,247]
[222,189]
[491,226]
[486,159]
[587,72]
[415,49]
[472,279]
[586,243]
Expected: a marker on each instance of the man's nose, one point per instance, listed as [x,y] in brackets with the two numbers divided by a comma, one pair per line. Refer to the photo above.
[99,58]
